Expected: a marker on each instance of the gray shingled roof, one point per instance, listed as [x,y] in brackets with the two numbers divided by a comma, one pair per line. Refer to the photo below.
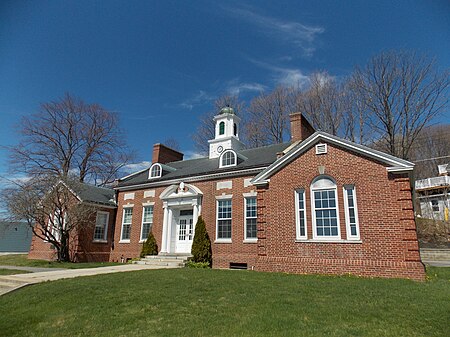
[95,194]
[255,158]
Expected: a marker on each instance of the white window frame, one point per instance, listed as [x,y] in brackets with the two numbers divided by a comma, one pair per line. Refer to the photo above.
[142,223]
[313,210]
[222,157]
[224,240]
[150,173]
[105,233]
[297,214]
[347,213]
[123,223]
[247,239]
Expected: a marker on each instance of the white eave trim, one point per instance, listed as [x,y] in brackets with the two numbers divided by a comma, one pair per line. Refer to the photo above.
[262,177]
[398,169]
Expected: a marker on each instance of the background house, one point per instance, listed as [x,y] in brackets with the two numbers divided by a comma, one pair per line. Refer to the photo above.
[15,237]
[433,195]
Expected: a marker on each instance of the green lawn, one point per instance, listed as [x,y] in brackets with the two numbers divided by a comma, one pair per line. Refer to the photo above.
[12,271]
[23,261]
[199,302]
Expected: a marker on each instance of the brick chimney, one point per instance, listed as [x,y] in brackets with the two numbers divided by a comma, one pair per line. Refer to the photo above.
[163,154]
[300,127]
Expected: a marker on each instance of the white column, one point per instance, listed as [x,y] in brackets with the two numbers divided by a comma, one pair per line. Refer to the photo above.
[169,230]
[164,232]
[195,217]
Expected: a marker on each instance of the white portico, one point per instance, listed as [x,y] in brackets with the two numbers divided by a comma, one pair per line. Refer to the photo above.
[182,206]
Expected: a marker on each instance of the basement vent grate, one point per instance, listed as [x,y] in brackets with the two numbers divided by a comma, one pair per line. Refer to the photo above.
[321,148]
[235,265]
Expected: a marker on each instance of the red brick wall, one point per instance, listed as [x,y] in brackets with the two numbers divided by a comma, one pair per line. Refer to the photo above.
[82,246]
[223,253]
[389,245]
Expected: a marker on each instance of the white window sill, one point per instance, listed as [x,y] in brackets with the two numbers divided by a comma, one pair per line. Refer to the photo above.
[124,241]
[328,241]
[250,241]
[142,241]
[100,241]
[223,241]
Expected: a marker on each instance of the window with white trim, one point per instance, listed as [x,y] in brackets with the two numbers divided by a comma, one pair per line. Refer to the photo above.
[56,224]
[228,158]
[155,171]
[147,221]
[126,224]
[435,205]
[224,219]
[300,214]
[250,218]
[221,128]
[101,226]
[351,213]
[325,216]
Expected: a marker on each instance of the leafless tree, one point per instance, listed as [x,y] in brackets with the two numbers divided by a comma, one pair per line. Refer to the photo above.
[403,92]
[268,117]
[355,115]
[324,102]
[431,148]
[70,137]
[172,143]
[206,127]
[51,209]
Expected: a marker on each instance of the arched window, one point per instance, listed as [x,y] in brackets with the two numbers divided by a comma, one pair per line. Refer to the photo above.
[235,129]
[221,128]
[325,214]
[155,171]
[228,159]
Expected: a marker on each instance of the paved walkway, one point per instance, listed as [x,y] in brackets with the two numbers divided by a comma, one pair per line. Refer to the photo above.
[12,282]
[30,269]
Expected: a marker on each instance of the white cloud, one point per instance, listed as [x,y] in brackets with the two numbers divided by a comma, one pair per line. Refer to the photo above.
[301,35]
[235,87]
[290,77]
[200,98]
[136,167]
[192,155]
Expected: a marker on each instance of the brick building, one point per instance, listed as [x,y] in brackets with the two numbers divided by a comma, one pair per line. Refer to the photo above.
[317,204]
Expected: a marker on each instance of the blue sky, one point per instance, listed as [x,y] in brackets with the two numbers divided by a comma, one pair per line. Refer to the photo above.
[161,64]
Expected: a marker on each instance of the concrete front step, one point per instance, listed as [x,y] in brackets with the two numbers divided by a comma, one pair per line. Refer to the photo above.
[170,261]
[161,264]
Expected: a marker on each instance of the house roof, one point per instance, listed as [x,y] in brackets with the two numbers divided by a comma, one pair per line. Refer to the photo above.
[395,164]
[95,194]
[257,158]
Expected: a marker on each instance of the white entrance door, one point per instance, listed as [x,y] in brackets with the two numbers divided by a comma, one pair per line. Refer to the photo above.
[184,232]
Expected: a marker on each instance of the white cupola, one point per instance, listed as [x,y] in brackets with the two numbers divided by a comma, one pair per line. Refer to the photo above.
[226,133]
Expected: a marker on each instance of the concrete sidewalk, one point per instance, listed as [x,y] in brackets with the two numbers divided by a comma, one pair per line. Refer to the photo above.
[30,269]
[9,283]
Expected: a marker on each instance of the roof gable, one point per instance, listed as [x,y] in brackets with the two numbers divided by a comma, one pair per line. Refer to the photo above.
[395,164]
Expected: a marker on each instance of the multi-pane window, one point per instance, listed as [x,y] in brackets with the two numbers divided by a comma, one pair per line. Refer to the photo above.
[224,219]
[351,215]
[147,221]
[435,205]
[250,218]
[155,171]
[221,128]
[101,226]
[126,223]
[228,159]
[325,210]
[300,214]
